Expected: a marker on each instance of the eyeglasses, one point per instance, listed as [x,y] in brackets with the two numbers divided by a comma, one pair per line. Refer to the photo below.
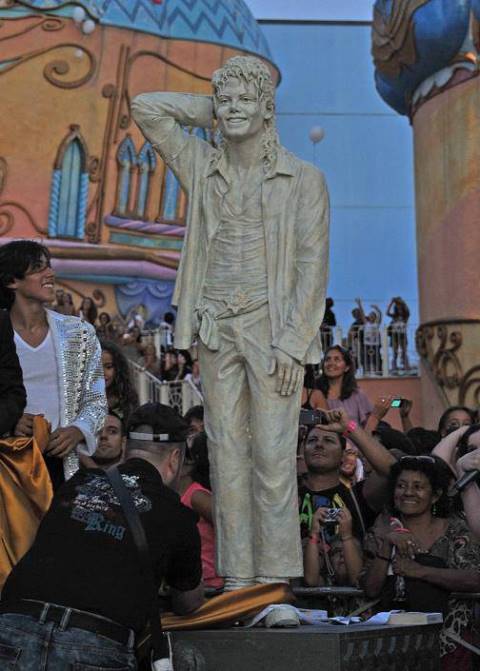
[419,457]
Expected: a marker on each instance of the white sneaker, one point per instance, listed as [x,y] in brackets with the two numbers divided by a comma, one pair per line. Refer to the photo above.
[271,580]
[282,616]
[231,584]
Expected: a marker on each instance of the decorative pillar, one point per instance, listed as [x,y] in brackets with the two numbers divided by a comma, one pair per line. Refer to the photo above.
[426,68]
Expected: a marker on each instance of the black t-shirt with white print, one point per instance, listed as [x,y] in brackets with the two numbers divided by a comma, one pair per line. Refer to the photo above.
[338,496]
[83,556]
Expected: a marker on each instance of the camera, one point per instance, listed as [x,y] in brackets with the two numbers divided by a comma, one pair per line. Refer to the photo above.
[332,515]
[397,403]
[312,417]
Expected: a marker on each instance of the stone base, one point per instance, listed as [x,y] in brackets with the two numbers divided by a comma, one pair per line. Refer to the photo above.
[326,648]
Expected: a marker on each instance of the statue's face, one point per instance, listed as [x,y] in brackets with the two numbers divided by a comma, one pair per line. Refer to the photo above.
[240,113]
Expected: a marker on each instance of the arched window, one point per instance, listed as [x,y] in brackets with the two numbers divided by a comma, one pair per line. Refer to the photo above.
[147,162]
[127,162]
[69,191]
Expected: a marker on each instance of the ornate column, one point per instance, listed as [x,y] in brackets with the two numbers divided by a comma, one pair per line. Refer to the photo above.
[426,68]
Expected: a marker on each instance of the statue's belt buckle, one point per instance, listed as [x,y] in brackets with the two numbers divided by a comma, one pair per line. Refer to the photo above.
[239,300]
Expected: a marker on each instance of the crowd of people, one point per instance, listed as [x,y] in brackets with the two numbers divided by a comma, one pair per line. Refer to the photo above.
[134,340]
[376,508]
[364,336]
[132,334]
[374,504]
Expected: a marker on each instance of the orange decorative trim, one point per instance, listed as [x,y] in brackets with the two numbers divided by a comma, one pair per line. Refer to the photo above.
[7,218]
[57,67]
[49,24]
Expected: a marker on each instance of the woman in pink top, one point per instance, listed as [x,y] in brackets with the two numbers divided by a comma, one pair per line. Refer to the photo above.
[195,494]
[339,385]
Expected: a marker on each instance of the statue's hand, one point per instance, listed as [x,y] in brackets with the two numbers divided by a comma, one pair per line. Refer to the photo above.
[289,372]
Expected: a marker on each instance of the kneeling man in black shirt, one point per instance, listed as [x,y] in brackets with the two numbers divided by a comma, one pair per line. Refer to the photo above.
[78,598]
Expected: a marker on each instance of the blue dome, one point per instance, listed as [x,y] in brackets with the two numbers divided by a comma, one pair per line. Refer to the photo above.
[412,40]
[224,22]
[476,9]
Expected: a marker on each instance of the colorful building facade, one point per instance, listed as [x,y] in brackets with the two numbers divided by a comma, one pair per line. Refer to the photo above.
[75,172]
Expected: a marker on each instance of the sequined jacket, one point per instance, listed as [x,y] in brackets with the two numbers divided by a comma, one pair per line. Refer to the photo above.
[82,387]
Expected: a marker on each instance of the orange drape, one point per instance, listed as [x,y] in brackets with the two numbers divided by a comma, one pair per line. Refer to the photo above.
[25,493]
[230,607]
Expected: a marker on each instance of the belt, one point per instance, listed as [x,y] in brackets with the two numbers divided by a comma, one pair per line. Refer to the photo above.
[69,617]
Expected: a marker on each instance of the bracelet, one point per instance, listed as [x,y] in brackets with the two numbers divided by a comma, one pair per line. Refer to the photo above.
[313,540]
[346,538]
[382,557]
[351,427]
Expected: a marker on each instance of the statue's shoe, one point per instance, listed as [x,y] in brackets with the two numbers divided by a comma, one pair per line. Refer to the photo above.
[282,616]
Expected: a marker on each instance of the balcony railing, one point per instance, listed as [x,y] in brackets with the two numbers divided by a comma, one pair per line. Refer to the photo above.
[377,351]
[181,394]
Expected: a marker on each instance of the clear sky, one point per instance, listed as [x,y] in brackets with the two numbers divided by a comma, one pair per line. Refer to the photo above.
[320,10]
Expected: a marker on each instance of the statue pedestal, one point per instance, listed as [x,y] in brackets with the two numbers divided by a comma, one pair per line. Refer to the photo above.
[326,647]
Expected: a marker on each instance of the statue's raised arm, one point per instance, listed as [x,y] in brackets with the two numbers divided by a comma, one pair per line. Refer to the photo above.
[163,118]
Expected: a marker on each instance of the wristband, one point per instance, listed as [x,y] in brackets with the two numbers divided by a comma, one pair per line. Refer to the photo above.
[346,538]
[313,540]
[351,427]
[379,556]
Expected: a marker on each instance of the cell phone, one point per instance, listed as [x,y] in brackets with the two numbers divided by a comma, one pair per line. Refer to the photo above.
[397,403]
[312,417]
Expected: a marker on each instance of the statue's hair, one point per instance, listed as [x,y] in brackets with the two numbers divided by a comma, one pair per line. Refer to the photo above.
[254,70]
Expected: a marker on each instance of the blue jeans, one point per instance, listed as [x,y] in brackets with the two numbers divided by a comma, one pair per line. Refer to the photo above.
[28,645]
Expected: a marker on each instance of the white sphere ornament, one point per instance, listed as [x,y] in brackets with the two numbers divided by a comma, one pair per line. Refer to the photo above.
[88,27]
[79,14]
[316,134]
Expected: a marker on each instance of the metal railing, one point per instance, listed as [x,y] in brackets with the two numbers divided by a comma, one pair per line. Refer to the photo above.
[181,394]
[161,337]
[377,351]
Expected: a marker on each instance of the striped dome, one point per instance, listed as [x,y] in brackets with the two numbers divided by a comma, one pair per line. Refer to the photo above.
[224,22]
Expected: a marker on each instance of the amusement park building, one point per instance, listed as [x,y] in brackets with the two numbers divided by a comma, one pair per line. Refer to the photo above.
[74,169]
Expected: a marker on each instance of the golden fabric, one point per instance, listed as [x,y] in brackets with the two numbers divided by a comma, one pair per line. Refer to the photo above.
[25,493]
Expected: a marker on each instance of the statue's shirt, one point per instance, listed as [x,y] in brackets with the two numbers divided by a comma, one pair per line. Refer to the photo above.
[237,268]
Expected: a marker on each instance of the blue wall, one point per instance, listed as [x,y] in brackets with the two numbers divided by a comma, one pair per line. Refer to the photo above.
[367,156]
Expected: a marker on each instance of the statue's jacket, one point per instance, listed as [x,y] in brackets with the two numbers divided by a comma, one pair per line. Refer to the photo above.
[295,212]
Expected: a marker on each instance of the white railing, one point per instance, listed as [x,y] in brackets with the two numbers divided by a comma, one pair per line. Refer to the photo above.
[383,351]
[162,338]
[181,395]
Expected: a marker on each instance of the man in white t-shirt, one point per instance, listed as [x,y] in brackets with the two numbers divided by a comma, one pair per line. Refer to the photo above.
[60,357]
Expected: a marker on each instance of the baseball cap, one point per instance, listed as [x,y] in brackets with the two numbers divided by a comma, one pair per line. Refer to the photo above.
[166,424]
